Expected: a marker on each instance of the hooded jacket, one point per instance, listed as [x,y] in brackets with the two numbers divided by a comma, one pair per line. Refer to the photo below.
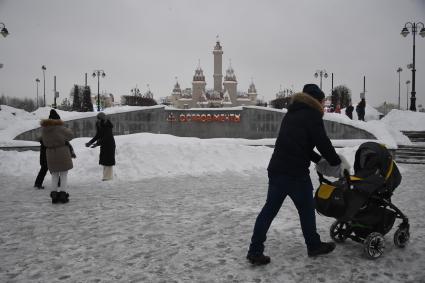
[54,136]
[105,138]
[302,130]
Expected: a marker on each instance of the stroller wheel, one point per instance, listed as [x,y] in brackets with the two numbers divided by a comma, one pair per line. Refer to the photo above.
[374,245]
[339,231]
[401,237]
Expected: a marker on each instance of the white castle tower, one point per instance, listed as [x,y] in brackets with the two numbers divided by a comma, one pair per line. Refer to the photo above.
[230,84]
[198,84]
[218,74]
[224,93]
[252,92]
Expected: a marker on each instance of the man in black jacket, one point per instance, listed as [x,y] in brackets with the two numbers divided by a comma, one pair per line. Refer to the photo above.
[361,109]
[302,130]
[349,111]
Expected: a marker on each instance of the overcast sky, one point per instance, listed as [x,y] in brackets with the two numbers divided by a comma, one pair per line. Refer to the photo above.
[277,43]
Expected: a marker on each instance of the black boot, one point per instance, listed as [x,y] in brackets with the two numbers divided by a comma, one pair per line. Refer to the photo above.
[258,259]
[63,197]
[55,196]
[324,248]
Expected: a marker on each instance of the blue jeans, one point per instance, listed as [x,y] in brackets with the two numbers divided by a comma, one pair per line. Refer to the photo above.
[300,190]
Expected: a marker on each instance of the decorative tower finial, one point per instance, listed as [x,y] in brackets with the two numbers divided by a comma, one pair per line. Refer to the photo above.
[230,63]
[217,38]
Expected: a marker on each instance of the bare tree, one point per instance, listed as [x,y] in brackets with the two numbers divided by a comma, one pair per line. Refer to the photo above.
[341,95]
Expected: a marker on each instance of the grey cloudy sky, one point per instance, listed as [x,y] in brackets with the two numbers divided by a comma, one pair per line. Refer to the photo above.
[151,42]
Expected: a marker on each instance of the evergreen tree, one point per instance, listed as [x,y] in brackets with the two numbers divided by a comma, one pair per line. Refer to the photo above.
[3,100]
[134,100]
[281,102]
[87,105]
[76,103]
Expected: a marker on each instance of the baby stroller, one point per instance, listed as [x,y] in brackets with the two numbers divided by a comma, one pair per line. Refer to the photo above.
[361,204]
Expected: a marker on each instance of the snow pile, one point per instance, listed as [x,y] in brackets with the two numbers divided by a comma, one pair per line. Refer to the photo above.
[384,134]
[10,117]
[146,155]
[403,120]
[371,113]
[14,121]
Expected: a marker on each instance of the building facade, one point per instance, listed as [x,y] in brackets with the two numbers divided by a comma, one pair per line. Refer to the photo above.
[224,94]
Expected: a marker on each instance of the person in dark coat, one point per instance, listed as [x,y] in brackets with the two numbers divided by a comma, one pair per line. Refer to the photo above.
[361,109]
[43,167]
[302,130]
[105,139]
[349,111]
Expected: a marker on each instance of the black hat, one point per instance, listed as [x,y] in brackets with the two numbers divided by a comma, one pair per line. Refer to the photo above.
[101,116]
[314,91]
[54,115]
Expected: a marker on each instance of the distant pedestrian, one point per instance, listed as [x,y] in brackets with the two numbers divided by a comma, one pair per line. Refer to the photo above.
[361,109]
[105,139]
[338,108]
[43,167]
[349,111]
[301,131]
[58,154]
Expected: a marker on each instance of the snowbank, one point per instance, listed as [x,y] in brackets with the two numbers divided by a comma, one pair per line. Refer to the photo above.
[403,120]
[146,155]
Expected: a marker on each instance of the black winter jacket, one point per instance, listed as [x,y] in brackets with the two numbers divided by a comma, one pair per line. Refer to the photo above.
[302,130]
[105,139]
[43,158]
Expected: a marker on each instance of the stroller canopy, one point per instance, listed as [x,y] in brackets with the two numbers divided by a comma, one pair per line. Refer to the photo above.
[374,159]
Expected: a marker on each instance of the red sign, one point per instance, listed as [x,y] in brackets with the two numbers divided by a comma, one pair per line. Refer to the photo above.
[235,118]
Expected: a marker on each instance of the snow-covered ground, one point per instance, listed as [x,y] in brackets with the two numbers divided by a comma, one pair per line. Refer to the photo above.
[184,229]
[179,210]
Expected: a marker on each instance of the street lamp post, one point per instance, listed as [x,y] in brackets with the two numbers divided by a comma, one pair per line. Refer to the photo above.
[4,30]
[407,94]
[404,32]
[321,73]
[399,70]
[98,73]
[37,81]
[44,85]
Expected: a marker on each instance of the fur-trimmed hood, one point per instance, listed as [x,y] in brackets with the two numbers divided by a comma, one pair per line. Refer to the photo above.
[308,100]
[51,122]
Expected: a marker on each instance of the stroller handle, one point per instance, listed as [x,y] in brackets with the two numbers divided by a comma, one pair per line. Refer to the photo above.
[322,179]
[347,178]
